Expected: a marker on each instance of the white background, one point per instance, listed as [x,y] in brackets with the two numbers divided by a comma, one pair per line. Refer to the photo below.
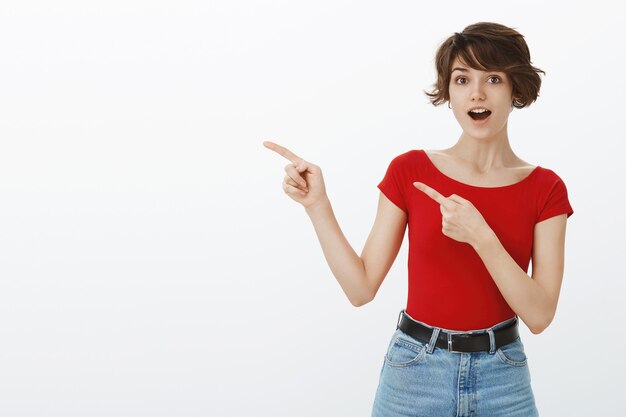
[151,264]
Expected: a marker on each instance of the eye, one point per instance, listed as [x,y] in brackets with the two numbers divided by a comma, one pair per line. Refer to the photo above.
[499,80]
[460,78]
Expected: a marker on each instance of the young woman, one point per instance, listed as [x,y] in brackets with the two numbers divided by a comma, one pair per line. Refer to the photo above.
[476,213]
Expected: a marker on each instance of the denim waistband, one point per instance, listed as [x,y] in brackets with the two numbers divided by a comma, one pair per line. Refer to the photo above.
[485,330]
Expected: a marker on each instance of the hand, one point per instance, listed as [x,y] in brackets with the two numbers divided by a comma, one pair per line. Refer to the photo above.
[304,182]
[461,221]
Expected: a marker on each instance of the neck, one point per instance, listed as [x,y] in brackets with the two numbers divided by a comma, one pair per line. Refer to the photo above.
[485,154]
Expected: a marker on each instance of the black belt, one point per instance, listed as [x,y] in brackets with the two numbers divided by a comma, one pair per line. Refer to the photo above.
[461,342]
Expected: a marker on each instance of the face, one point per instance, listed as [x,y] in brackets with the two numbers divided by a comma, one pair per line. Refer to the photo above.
[470,88]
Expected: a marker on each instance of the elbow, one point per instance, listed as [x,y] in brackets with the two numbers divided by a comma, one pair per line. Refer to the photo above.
[536,329]
[364,296]
[539,327]
[360,302]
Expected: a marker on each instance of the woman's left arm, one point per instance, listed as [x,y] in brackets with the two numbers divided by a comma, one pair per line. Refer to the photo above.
[534,300]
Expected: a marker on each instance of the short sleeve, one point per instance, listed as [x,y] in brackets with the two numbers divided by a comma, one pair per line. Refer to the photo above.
[392,184]
[556,201]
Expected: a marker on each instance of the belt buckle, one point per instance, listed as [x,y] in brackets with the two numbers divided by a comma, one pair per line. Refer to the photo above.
[450,344]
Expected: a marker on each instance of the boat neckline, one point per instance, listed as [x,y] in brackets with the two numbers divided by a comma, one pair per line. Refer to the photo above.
[432,164]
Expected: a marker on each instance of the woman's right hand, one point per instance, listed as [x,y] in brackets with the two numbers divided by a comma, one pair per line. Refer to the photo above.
[304,182]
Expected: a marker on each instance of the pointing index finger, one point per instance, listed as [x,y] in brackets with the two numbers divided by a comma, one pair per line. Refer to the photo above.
[282,151]
[431,192]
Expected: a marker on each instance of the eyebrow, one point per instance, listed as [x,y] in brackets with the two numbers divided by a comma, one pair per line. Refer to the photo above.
[466,70]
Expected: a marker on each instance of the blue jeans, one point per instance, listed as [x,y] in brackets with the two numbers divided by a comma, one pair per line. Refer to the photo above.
[419,379]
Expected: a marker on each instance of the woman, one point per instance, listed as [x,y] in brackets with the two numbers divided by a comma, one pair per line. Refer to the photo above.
[476,214]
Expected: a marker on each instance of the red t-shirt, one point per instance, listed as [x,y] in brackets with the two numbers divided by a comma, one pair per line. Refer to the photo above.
[449,286]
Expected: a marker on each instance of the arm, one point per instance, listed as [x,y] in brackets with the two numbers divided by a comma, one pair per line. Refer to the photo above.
[360,276]
[534,300]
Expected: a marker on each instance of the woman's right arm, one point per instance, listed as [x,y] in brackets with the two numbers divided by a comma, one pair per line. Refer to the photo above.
[359,276]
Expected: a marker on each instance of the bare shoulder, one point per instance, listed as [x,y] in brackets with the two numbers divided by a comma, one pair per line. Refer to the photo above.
[444,156]
[461,170]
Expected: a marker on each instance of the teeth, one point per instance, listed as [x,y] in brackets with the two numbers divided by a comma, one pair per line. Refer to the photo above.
[478,111]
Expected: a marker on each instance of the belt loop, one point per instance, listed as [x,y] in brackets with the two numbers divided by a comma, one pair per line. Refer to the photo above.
[433,340]
[492,341]
[399,319]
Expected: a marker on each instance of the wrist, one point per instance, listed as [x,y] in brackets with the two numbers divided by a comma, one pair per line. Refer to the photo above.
[484,239]
[318,207]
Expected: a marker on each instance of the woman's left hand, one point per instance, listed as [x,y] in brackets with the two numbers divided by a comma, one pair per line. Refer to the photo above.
[460,221]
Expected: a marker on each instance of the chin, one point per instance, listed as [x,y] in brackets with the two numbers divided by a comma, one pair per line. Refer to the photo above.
[482,132]
[478,131]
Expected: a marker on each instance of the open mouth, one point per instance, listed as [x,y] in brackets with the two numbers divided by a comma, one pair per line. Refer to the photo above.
[480,114]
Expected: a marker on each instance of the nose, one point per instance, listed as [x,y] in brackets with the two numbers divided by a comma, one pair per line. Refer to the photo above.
[477,92]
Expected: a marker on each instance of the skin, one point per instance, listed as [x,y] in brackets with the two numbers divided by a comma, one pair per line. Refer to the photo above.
[486,145]
[482,154]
